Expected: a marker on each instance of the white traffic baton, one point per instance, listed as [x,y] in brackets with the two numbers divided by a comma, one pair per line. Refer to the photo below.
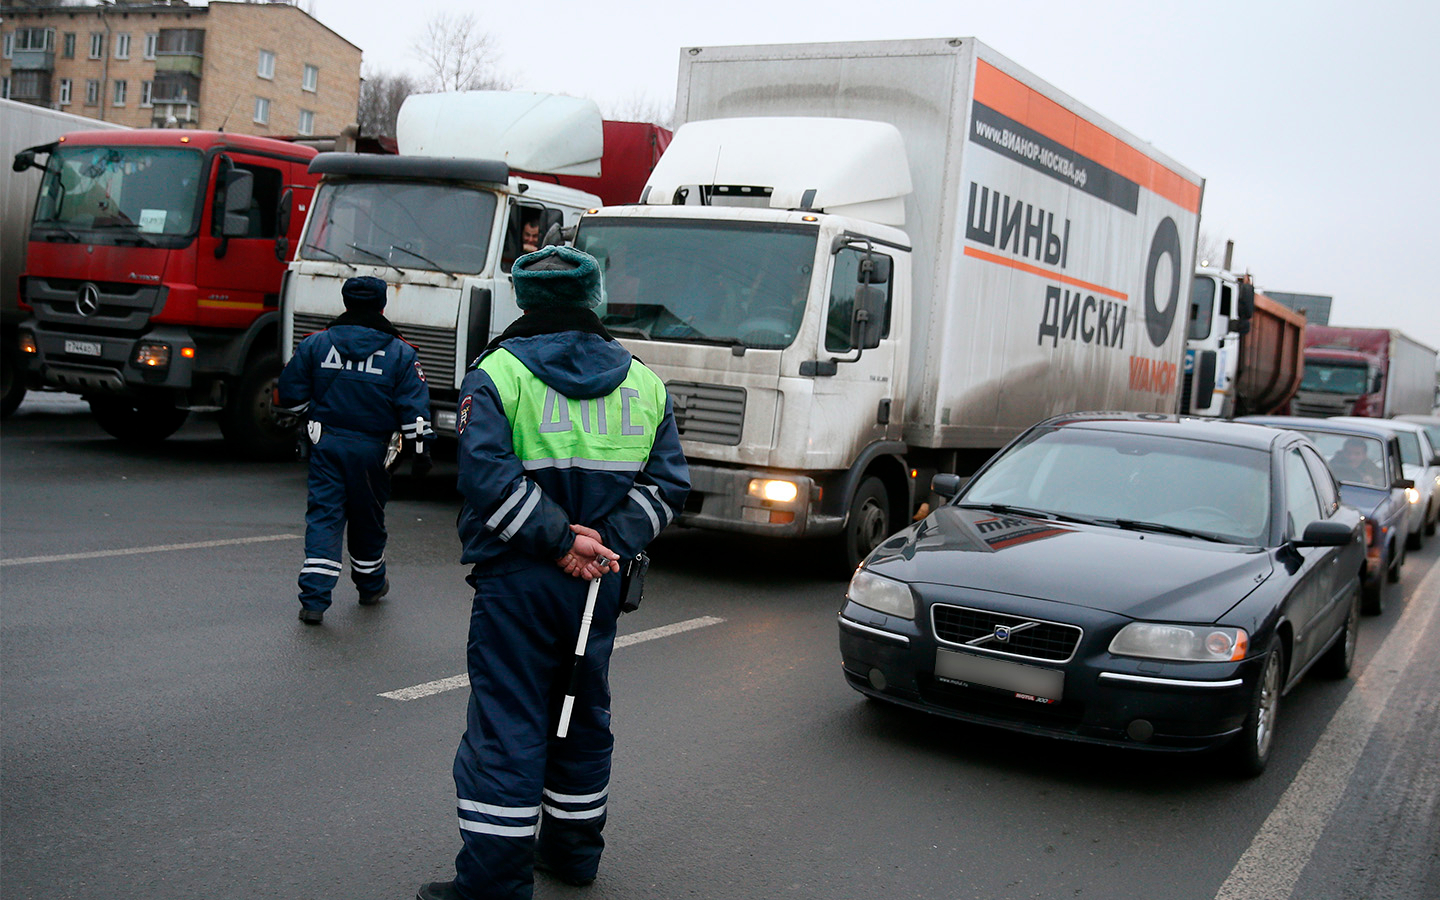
[576,666]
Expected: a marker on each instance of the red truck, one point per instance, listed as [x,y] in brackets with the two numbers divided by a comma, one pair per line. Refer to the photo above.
[1376,372]
[153,275]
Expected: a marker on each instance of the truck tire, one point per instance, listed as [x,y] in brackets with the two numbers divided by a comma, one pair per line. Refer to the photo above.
[248,420]
[866,525]
[12,379]
[141,423]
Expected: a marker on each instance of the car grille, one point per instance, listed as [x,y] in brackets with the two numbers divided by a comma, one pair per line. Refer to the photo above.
[712,413]
[436,346]
[1029,638]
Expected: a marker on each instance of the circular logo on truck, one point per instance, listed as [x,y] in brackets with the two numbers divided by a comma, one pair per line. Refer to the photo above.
[87,300]
[1165,243]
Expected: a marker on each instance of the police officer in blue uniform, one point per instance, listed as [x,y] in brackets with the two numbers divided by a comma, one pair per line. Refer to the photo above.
[358,383]
[569,460]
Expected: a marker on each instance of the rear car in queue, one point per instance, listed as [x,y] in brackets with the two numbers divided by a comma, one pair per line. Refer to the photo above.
[1420,460]
[1366,460]
[1117,578]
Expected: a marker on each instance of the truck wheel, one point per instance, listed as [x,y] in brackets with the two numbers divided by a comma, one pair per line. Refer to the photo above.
[248,420]
[140,423]
[867,524]
[12,379]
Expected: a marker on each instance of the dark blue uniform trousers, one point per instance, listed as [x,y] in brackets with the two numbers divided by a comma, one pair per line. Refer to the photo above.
[512,775]
[349,488]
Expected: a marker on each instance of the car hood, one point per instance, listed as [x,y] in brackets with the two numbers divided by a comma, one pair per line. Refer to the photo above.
[1137,574]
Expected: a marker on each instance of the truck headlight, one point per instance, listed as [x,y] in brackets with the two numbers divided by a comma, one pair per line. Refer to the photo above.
[27,344]
[1184,643]
[881,594]
[777,490]
[152,355]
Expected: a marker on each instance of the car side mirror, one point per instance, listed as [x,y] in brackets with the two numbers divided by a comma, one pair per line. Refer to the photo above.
[1326,533]
[1435,461]
[1404,484]
[947,485]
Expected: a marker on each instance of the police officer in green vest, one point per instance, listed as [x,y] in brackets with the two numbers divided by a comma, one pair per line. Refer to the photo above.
[569,462]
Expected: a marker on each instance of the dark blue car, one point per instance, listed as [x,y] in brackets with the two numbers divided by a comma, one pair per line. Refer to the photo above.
[1374,484]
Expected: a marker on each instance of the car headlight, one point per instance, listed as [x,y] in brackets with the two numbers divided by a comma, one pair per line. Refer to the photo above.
[881,594]
[1185,643]
[1412,495]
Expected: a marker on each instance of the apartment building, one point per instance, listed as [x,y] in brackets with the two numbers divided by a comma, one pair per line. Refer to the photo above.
[257,68]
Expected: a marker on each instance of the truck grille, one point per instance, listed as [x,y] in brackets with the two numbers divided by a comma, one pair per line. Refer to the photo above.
[435,345]
[1322,409]
[711,413]
[95,306]
[1029,638]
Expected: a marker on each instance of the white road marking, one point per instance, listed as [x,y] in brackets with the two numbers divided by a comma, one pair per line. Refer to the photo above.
[459,681]
[1271,867]
[161,548]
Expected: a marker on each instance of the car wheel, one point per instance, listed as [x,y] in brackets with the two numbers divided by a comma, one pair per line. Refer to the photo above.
[1430,523]
[867,524]
[1372,596]
[1398,552]
[1338,660]
[1252,747]
[1415,540]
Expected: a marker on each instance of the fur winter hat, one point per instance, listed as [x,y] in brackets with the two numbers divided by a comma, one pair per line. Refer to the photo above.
[556,276]
[364,293]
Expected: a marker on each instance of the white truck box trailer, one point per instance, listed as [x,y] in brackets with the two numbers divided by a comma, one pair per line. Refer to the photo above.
[1016,254]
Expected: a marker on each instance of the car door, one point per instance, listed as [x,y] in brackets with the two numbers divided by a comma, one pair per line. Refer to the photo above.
[1345,562]
[1312,570]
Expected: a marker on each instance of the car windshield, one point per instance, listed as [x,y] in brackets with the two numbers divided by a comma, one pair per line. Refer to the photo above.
[408,225]
[1333,379]
[1210,488]
[1353,459]
[142,190]
[703,282]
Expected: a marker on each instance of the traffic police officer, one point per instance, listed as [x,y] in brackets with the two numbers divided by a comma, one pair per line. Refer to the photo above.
[569,459]
[358,383]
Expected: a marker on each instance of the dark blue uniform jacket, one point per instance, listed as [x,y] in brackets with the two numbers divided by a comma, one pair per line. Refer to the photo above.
[350,378]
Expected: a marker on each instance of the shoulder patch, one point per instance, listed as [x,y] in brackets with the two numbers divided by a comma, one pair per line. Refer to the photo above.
[419,371]
[462,415]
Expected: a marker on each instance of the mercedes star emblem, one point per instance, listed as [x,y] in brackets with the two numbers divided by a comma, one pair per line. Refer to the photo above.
[87,301]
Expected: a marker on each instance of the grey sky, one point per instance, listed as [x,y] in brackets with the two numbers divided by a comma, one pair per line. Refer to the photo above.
[1315,124]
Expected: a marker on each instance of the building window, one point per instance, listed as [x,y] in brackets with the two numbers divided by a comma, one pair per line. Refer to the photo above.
[147,93]
[122,45]
[266,68]
[5,86]
[122,87]
[92,92]
[311,80]
[64,92]
[307,121]
[69,45]
[97,44]
[31,39]
[181,42]
[9,45]
[262,111]
[152,42]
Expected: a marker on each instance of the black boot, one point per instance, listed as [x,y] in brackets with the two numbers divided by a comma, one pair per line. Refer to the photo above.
[312,616]
[372,599]
[438,890]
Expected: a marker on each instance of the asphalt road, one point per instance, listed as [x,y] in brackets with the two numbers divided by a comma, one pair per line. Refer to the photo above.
[169,730]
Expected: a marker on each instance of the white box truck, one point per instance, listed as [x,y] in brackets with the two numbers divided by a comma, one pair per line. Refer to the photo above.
[859,264]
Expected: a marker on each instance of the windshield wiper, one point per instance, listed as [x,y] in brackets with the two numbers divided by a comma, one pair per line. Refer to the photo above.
[330,253]
[55,226]
[422,257]
[628,331]
[1161,528]
[1008,509]
[373,255]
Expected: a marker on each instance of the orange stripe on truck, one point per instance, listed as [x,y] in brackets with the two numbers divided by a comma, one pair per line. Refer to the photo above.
[1045,273]
[1034,110]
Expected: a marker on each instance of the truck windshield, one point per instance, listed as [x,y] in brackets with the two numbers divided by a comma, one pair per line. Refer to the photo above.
[408,225]
[1330,378]
[728,283]
[133,190]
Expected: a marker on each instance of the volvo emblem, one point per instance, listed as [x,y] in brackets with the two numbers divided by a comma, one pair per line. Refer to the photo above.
[87,301]
[1002,633]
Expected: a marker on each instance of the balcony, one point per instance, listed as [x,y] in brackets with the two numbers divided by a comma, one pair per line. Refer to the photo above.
[33,61]
[175,114]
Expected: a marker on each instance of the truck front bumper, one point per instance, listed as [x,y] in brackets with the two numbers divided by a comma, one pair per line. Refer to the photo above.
[111,364]
[726,499]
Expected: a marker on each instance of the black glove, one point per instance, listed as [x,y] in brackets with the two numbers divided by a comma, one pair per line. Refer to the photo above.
[423,463]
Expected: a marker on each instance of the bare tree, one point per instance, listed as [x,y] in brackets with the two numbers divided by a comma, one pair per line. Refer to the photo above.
[381,95]
[1210,248]
[458,56]
[641,107]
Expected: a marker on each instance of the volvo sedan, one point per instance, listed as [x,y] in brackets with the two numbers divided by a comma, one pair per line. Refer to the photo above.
[1127,579]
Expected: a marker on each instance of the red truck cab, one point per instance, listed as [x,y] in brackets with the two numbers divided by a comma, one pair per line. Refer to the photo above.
[153,275]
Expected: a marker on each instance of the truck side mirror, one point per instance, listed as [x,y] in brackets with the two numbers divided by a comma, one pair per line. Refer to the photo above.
[239,190]
[282,225]
[1377,384]
[23,160]
[1244,309]
[869,318]
[874,270]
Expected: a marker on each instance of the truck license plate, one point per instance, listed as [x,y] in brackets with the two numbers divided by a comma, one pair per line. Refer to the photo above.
[82,348]
[1026,682]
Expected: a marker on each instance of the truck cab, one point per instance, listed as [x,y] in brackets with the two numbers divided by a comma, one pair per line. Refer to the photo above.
[443,222]
[1221,307]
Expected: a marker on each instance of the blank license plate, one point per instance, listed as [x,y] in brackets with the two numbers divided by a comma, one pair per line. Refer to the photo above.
[82,348]
[1028,682]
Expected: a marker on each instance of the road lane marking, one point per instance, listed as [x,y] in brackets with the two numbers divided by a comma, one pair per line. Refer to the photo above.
[1270,868]
[160,548]
[459,681]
